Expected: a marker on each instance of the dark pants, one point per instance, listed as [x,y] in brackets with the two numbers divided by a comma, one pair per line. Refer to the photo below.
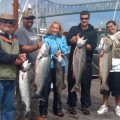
[57,89]
[113,84]
[85,87]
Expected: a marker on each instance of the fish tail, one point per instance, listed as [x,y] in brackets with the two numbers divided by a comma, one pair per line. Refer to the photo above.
[36,96]
[39,97]
[29,114]
[75,89]
[104,87]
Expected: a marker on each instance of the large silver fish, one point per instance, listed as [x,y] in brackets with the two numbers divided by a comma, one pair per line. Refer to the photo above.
[105,62]
[42,69]
[24,86]
[79,61]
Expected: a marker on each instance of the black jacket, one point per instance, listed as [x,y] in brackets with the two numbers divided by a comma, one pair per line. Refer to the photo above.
[90,34]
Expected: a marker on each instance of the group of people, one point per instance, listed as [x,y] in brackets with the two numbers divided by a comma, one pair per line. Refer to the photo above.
[25,43]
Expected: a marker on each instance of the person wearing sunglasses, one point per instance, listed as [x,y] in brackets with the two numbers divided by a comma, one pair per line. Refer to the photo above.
[29,43]
[9,58]
[86,30]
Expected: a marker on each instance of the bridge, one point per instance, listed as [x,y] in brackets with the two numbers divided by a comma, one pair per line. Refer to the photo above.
[46,8]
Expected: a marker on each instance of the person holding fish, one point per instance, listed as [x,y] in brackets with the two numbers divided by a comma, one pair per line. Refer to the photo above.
[29,43]
[112,81]
[58,49]
[84,31]
[9,59]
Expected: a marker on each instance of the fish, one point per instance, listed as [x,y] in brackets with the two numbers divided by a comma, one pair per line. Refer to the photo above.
[79,62]
[59,74]
[24,86]
[105,63]
[42,69]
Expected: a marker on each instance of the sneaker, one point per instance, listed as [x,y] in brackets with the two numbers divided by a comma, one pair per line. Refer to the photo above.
[117,110]
[102,109]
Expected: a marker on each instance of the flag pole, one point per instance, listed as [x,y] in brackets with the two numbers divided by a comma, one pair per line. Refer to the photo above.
[15,14]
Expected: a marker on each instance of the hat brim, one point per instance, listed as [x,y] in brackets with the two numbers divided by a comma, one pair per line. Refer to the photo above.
[6,17]
[30,16]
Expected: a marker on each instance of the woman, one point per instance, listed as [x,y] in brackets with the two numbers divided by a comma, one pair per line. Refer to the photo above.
[113,80]
[58,44]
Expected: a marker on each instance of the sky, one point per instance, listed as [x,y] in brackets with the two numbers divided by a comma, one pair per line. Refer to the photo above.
[97,19]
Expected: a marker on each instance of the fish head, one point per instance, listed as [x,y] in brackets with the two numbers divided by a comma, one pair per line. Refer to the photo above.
[26,65]
[81,42]
[100,38]
[45,50]
[58,59]
[107,44]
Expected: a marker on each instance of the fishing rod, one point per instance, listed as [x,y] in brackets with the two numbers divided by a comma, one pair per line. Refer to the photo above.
[115,9]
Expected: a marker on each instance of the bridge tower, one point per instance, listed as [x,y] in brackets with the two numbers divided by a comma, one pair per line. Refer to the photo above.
[43,23]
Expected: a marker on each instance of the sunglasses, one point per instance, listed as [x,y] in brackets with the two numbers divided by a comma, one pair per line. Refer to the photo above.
[8,22]
[84,18]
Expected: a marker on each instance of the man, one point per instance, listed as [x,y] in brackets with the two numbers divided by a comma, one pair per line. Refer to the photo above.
[86,30]
[29,43]
[9,58]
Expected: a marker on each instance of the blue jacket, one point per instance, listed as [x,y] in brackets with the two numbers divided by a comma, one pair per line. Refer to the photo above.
[56,43]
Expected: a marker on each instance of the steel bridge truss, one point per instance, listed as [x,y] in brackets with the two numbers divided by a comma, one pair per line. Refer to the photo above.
[46,8]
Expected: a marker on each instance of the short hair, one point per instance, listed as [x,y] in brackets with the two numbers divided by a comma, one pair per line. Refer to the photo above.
[111,21]
[85,12]
[60,33]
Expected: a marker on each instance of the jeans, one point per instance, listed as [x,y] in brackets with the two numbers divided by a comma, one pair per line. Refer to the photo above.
[7,91]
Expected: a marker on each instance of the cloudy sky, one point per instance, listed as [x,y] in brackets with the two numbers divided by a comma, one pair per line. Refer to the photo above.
[97,19]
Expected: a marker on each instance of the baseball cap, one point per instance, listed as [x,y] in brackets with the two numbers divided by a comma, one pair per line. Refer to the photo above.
[28,13]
